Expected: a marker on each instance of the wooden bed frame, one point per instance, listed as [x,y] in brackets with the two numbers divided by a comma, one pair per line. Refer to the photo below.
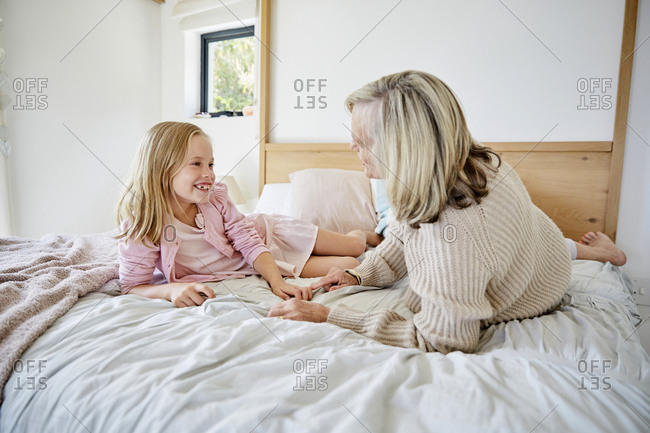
[576,183]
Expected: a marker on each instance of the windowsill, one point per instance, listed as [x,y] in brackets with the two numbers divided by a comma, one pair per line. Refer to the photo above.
[207,119]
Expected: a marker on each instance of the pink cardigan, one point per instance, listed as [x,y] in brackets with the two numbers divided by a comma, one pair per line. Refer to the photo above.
[226,229]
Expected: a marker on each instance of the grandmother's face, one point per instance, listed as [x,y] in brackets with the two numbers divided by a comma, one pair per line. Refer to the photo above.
[362,144]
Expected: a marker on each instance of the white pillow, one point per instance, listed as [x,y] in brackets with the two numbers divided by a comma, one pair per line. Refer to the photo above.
[334,199]
[274,199]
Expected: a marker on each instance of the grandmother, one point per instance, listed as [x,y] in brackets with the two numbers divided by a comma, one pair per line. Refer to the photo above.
[476,249]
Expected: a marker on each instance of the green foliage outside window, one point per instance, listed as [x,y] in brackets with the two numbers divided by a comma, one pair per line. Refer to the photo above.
[233,78]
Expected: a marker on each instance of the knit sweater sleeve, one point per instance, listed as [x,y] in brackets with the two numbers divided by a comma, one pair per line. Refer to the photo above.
[450,286]
[385,264]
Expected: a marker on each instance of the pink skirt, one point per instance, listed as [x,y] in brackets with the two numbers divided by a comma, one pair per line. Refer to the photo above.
[290,240]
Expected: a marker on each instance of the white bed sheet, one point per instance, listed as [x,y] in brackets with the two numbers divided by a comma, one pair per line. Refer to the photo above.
[126,363]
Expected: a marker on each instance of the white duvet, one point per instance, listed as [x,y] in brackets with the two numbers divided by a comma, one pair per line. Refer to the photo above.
[130,364]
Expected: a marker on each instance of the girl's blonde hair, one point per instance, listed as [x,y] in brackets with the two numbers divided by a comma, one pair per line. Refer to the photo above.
[415,129]
[146,199]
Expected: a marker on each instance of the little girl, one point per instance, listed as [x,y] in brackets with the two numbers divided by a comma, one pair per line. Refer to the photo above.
[174,217]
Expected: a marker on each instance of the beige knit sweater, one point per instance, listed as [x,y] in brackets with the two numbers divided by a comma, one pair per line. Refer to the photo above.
[503,259]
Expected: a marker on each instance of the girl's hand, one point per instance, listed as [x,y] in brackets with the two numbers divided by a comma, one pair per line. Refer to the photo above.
[285,290]
[189,294]
[335,279]
[296,309]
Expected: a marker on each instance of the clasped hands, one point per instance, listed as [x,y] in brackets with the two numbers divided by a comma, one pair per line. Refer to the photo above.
[299,308]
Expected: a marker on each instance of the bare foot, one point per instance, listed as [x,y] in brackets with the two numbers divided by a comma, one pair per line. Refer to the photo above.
[601,247]
[588,237]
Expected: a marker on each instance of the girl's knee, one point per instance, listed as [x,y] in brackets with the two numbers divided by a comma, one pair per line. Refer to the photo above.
[357,233]
[356,243]
[349,262]
[358,249]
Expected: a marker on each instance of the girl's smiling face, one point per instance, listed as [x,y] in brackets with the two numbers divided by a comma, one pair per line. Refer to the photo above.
[193,183]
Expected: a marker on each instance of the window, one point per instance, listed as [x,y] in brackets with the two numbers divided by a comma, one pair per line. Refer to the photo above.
[227,71]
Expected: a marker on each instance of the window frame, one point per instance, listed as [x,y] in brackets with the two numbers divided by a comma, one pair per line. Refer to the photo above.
[206,40]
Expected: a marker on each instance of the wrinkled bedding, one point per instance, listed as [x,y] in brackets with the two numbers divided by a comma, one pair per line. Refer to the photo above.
[42,279]
[126,363]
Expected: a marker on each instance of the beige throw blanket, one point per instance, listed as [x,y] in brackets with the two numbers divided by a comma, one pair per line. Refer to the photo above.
[42,279]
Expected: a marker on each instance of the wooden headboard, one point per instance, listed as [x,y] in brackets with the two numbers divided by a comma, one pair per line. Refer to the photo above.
[567,180]
[576,183]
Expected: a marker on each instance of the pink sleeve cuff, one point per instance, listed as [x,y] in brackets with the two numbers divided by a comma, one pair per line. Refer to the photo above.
[255,253]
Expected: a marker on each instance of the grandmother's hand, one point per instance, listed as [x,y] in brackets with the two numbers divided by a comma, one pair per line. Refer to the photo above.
[296,309]
[335,279]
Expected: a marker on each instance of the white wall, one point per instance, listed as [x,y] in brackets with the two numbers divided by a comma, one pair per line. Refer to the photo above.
[107,92]
[511,85]
[516,81]
[634,209]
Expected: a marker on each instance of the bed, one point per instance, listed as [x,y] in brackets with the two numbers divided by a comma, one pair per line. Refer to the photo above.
[105,362]
[126,363]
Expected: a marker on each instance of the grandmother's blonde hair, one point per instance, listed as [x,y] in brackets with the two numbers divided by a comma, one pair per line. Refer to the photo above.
[145,201]
[414,127]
